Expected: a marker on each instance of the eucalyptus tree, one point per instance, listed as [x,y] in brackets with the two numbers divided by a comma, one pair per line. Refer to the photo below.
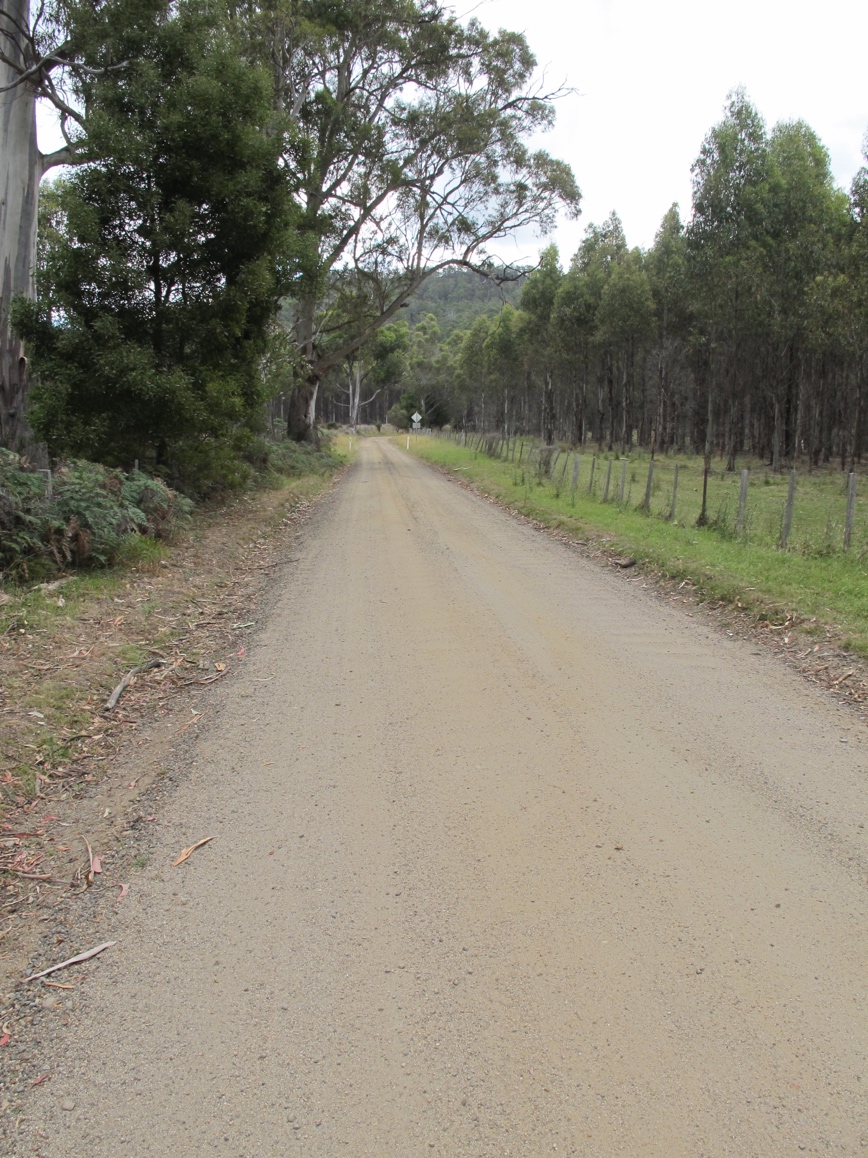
[807,223]
[50,53]
[667,269]
[430,371]
[538,303]
[851,319]
[406,152]
[625,322]
[603,247]
[504,356]
[375,368]
[574,318]
[725,237]
[473,370]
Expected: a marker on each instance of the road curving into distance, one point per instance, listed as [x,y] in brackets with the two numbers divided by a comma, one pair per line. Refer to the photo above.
[510,859]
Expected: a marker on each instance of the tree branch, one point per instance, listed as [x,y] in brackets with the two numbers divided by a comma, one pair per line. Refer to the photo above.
[68,155]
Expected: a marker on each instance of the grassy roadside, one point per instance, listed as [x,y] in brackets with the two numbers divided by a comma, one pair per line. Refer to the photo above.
[66,643]
[824,594]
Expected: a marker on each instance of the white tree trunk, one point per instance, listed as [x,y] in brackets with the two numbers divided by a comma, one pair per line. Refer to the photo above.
[355,380]
[21,170]
[301,416]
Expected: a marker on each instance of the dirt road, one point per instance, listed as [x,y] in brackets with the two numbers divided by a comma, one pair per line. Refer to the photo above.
[510,859]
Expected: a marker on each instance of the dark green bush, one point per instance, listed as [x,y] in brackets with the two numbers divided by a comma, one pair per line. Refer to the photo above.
[291,459]
[91,512]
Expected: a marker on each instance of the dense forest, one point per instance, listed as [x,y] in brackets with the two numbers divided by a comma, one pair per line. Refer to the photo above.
[742,330]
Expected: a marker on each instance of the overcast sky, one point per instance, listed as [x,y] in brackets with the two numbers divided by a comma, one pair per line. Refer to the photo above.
[653,76]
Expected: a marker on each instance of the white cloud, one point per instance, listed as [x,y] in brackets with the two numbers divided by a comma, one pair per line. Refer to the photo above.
[653,78]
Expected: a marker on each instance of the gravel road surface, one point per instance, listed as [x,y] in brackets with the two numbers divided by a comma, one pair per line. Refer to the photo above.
[510,858]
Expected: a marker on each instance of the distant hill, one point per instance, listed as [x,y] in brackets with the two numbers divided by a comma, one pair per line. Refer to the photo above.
[457,296]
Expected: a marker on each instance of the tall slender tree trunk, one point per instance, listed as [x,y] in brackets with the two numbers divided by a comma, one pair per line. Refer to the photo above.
[301,414]
[856,439]
[730,435]
[702,521]
[610,393]
[21,168]
[355,385]
[579,392]
[548,423]
[776,436]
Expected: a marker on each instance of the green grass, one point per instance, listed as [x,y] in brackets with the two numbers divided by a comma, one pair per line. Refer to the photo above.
[813,581]
[33,609]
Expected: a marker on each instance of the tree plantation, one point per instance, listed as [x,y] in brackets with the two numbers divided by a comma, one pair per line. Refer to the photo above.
[742,330]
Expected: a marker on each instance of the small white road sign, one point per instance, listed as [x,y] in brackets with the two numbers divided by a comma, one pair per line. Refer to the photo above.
[417,417]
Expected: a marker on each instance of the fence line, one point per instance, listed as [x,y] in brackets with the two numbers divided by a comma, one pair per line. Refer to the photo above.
[742,505]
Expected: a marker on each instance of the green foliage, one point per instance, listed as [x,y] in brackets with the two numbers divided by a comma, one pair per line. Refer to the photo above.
[92,513]
[412,157]
[293,459]
[399,416]
[743,331]
[456,297]
[160,274]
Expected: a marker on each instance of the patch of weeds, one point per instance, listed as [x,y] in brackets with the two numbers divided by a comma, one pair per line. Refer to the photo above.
[25,780]
[722,524]
[132,655]
[140,553]
[53,750]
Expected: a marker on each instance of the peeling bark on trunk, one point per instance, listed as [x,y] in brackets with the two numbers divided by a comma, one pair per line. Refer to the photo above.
[355,387]
[20,173]
[301,413]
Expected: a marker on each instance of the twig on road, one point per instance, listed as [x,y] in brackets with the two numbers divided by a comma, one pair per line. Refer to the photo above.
[71,961]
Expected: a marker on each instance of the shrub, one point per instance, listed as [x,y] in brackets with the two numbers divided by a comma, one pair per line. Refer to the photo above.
[90,513]
[399,417]
[292,459]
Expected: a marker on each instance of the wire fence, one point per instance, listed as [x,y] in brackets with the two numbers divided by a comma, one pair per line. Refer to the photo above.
[819,512]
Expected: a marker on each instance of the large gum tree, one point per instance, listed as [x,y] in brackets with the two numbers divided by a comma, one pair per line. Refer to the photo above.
[43,50]
[407,149]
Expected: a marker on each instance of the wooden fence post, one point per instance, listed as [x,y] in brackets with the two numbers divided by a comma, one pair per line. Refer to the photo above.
[553,462]
[788,512]
[564,470]
[608,480]
[851,510]
[623,480]
[646,502]
[576,463]
[742,503]
[674,495]
[591,479]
